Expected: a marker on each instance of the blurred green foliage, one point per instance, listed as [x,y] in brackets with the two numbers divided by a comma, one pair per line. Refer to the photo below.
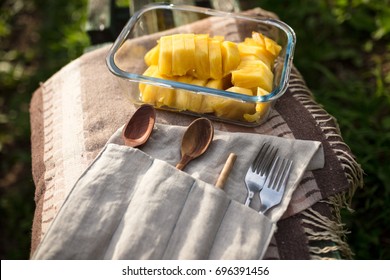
[37,38]
[343,51]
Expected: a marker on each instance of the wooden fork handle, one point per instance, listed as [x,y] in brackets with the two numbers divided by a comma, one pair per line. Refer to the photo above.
[226,171]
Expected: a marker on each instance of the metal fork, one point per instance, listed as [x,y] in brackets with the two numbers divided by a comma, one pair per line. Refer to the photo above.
[275,184]
[258,171]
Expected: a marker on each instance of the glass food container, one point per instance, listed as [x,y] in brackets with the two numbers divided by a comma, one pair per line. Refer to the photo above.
[189,93]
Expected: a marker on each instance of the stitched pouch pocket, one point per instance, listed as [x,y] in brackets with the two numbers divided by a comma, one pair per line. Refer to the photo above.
[128,205]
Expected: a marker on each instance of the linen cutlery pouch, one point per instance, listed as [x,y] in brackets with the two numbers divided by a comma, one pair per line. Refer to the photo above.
[134,204]
[144,208]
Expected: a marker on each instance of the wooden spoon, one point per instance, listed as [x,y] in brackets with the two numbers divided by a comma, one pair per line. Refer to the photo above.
[196,140]
[140,126]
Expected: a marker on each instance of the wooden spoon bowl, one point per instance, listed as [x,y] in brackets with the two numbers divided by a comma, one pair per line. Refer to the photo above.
[196,140]
[138,129]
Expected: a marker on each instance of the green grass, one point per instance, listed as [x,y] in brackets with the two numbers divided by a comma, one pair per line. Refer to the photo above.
[343,51]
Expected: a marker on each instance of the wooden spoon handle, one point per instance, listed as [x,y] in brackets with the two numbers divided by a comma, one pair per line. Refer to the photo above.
[183,162]
[226,171]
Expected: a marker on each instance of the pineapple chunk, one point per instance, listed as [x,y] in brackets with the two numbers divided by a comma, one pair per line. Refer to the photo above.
[189,44]
[151,57]
[215,59]
[230,57]
[202,64]
[183,54]
[148,93]
[208,100]
[165,56]
[249,57]
[166,96]
[183,97]
[163,96]
[223,83]
[195,100]
[270,45]
[232,109]
[155,95]
[262,108]
[257,52]
[253,73]
[150,72]
[250,42]
[219,38]
[179,65]
[240,90]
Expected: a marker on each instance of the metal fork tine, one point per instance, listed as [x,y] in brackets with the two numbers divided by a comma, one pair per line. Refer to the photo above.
[259,170]
[286,172]
[279,175]
[266,164]
[260,155]
[273,173]
[275,184]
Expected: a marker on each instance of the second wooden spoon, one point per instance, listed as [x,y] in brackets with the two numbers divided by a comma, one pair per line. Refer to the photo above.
[196,140]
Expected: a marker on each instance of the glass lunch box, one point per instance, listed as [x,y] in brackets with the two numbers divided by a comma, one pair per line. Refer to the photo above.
[143,32]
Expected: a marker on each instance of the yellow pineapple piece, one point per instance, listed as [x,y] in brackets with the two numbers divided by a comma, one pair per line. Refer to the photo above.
[257,52]
[151,57]
[220,83]
[183,97]
[248,57]
[165,96]
[240,90]
[189,44]
[150,73]
[165,56]
[232,109]
[179,58]
[202,63]
[195,100]
[230,57]
[148,93]
[270,45]
[219,38]
[209,101]
[215,59]
[258,38]
[159,95]
[250,42]
[256,63]
[251,77]
[262,108]
[183,54]
[150,70]
[253,73]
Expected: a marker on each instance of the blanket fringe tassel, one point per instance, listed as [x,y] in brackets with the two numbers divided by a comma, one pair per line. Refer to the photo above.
[328,231]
